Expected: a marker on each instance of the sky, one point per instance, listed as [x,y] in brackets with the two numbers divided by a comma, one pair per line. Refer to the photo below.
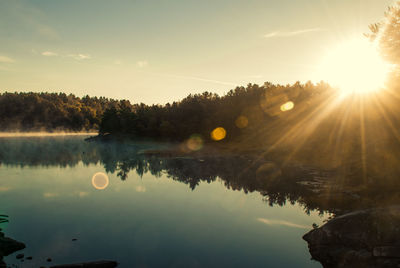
[160,51]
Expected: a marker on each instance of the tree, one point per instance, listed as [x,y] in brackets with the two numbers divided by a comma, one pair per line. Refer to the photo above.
[387,34]
[110,121]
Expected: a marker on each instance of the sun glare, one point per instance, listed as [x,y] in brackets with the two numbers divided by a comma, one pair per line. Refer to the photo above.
[354,66]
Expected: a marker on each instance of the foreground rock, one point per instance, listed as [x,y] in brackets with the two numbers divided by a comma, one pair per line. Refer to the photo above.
[365,238]
[95,264]
[7,247]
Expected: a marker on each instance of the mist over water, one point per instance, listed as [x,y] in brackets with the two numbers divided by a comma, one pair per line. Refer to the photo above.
[44,134]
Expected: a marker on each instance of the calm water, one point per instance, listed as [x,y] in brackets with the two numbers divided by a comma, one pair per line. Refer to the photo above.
[153,213]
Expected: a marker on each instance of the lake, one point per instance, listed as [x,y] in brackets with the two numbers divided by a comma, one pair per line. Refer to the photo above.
[144,211]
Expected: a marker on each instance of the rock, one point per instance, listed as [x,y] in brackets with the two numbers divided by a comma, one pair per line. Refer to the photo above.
[94,264]
[365,238]
[9,246]
[19,256]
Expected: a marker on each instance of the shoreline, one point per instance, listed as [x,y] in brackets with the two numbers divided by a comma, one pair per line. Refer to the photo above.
[44,134]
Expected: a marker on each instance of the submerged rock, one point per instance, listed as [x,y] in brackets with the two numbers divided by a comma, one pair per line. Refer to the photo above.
[94,264]
[365,238]
[7,247]
[19,256]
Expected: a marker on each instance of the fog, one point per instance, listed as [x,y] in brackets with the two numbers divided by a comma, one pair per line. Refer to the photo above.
[44,134]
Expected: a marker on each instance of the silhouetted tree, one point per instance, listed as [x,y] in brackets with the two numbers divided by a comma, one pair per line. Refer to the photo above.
[387,34]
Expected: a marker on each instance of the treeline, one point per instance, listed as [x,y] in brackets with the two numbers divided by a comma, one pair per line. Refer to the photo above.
[240,109]
[52,111]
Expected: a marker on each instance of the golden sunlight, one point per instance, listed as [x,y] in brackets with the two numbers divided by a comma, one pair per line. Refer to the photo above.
[354,66]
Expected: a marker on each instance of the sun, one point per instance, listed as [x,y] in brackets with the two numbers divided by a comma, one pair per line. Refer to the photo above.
[354,66]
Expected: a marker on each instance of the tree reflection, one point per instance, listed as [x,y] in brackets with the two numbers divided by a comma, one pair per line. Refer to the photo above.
[313,188]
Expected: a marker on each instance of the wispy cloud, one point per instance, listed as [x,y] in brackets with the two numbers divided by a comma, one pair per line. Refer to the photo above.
[5,59]
[291,33]
[80,56]
[49,54]
[282,223]
[142,63]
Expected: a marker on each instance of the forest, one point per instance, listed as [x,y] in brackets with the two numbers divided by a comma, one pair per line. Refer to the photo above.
[200,114]
[52,112]
[197,114]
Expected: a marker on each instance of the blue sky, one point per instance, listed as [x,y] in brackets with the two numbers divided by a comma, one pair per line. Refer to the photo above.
[160,51]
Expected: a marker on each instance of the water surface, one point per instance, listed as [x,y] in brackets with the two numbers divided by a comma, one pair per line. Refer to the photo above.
[153,213]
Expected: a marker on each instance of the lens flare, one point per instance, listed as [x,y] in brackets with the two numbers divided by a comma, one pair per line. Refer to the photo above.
[218,134]
[195,142]
[100,181]
[287,106]
[242,121]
